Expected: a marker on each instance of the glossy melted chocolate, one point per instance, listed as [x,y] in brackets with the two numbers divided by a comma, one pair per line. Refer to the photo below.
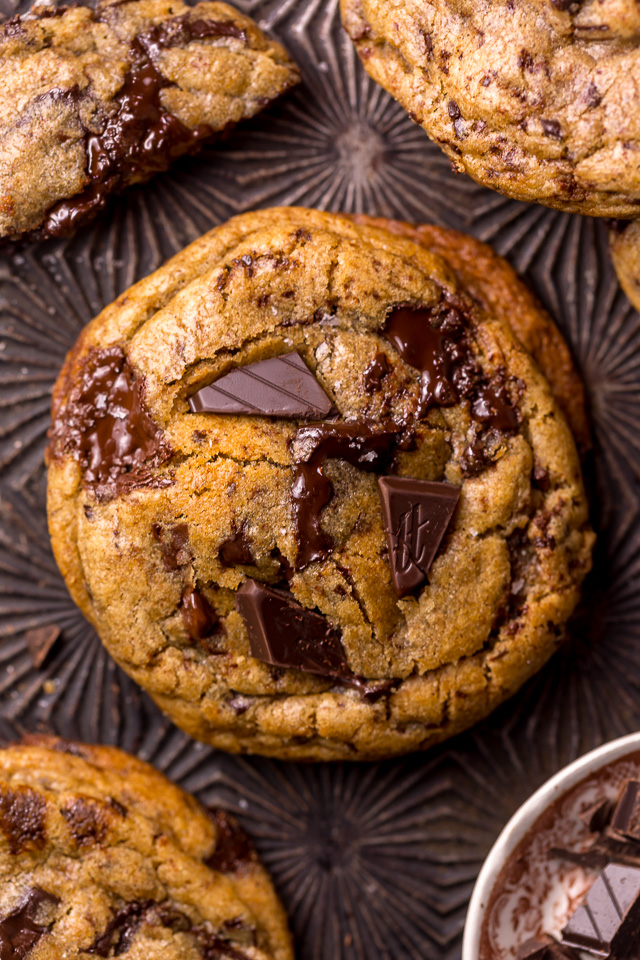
[361,444]
[107,426]
[140,138]
[21,930]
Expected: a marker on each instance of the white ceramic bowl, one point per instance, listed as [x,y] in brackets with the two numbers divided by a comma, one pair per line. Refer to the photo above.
[523,819]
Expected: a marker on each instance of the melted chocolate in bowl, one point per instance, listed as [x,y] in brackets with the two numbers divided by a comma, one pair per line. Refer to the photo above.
[537,891]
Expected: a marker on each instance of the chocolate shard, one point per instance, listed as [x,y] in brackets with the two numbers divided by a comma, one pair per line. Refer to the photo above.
[198,616]
[625,820]
[22,930]
[279,387]
[40,641]
[607,922]
[283,633]
[286,634]
[545,948]
[121,929]
[234,849]
[417,514]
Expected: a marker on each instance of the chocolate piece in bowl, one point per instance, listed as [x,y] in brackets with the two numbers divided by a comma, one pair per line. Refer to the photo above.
[607,922]
[571,887]
[94,100]
[101,855]
[367,571]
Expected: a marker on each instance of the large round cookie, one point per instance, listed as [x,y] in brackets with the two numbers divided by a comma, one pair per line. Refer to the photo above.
[535,98]
[416,605]
[100,855]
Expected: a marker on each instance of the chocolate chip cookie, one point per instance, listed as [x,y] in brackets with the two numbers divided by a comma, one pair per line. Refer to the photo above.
[315,496]
[534,98]
[624,239]
[100,855]
[94,100]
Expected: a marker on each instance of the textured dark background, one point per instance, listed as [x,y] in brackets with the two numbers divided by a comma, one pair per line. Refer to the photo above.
[373,861]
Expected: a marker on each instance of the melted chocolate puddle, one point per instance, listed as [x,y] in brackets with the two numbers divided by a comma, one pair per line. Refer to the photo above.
[434,341]
[361,444]
[141,138]
[107,425]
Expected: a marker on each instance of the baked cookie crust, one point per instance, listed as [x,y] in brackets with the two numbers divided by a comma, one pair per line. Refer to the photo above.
[100,855]
[92,101]
[155,548]
[537,99]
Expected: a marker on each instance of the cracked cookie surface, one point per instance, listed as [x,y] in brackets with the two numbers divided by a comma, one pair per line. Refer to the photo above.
[156,534]
[537,99]
[100,855]
[94,100]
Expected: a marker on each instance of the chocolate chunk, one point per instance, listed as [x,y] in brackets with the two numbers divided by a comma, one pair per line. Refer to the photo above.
[121,929]
[545,948]
[212,947]
[106,424]
[233,849]
[286,634]
[417,514]
[279,387]
[23,818]
[625,821]
[283,633]
[492,407]
[21,930]
[179,31]
[598,817]
[378,369]
[174,545]
[199,617]
[369,447]
[40,642]
[607,922]
[236,550]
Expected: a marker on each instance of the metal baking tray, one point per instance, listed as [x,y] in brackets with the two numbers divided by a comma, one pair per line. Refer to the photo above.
[373,861]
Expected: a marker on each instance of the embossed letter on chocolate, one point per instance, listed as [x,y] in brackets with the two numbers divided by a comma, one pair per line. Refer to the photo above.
[361,444]
[417,514]
[21,930]
[607,922]
[278,387]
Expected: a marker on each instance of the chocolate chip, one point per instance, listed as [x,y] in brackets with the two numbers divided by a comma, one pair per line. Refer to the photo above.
[23,818]
[237,549]
[121,929]
[362,444]
[625,820]
[40,642]
[379,368]
[21,930]
[107,426]
[417,514]
[234,849]
[552,128]
[607,922]
[199,617]
[278,387]
[88,820]
[174,545]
